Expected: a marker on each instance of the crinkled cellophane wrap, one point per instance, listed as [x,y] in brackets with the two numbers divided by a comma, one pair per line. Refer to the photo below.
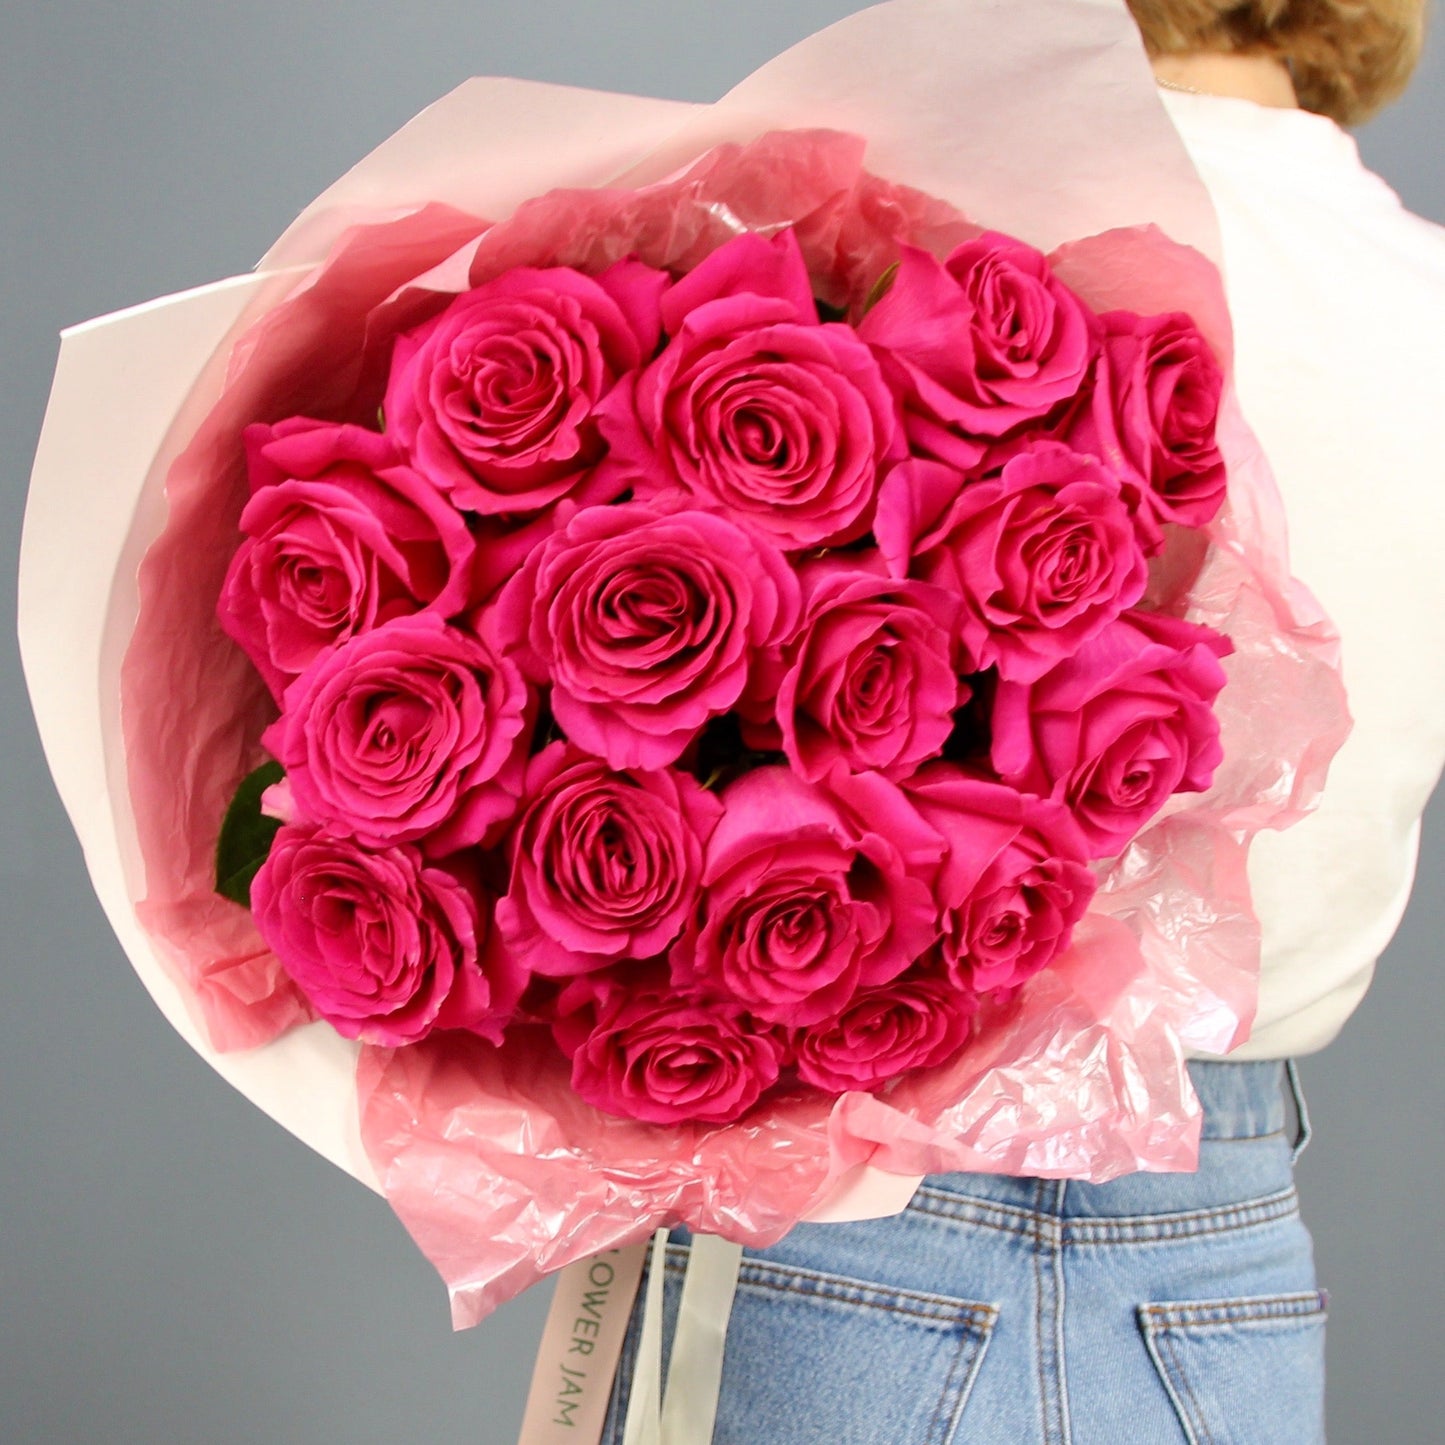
[498,1170]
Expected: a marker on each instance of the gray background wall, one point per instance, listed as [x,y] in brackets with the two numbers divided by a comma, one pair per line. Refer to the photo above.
[173,1267]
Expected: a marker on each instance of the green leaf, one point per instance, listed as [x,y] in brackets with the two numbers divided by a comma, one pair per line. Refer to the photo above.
[881,287]
[246,835]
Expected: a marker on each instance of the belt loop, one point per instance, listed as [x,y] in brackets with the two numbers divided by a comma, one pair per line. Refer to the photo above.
[1301,1109]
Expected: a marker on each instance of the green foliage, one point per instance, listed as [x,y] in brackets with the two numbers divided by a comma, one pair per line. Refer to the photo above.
[246,835]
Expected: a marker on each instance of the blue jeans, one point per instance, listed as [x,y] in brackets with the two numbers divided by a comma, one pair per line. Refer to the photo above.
[1154,1309]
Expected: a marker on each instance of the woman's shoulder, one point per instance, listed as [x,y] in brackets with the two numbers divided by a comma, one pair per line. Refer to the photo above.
[1333,283]
[1292,179]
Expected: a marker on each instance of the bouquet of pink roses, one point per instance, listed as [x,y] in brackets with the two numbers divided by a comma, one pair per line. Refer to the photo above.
[705,692]
[724,684]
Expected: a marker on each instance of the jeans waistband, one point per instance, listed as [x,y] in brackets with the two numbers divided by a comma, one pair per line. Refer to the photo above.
[1245,1100]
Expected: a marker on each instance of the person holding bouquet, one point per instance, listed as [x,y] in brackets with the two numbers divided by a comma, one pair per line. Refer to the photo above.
[721,666]
[1160,1307]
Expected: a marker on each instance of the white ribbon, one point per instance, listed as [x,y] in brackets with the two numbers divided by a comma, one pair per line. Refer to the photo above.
[694,1373]
[568,1399]
[644,1413]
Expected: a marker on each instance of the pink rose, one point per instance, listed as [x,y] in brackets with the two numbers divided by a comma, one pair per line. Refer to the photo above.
[340,537]
[813,891]
[870,681]
[756,407]
[1042,556]
[605,865]
[1014,882]
[914,1022]
[1152,418]
[416,731]
[1118,728]
[979,345]
[386,946]
[495,399]
[671,1060]
[648,619]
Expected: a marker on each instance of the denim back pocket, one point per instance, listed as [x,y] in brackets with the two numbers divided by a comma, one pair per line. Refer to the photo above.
[1242,1371]
[818,1359]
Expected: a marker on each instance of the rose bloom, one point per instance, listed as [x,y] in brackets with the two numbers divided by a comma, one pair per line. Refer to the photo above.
[665,1059]
[1152,416]
[1014,882]
[341,536]
[494,400]
[1117,729]
[1042,556]
[384,945]
[605,865]
[415,731]
[914,1022]
[648,619]
[980,344]
[754,405]
[869,680]
[812,892]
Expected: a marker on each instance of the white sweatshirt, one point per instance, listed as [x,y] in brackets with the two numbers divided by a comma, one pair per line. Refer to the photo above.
[1338,298]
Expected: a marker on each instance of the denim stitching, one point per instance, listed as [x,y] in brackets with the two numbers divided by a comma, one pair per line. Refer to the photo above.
[1163,1322]
[950,1205]
[1152,1343]
[1133,1229]
[1206,1436]
[970,1378]
[973,1322]
[796,1279]
[1048,1316]
[1164,1325]
[947,1199]
[840,1297]
[1124,1230]
[950,1202]
[931,1438]
[937,1426]
[1059,1358]
[1038,1254]
[1269,1309]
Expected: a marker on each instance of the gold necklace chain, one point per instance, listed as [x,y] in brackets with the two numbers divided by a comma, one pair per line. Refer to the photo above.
[1174,85]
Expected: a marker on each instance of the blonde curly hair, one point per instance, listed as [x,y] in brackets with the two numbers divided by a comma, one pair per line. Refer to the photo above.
[1348,58]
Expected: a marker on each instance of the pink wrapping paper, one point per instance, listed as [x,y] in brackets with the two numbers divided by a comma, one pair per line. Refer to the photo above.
[499,1172]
